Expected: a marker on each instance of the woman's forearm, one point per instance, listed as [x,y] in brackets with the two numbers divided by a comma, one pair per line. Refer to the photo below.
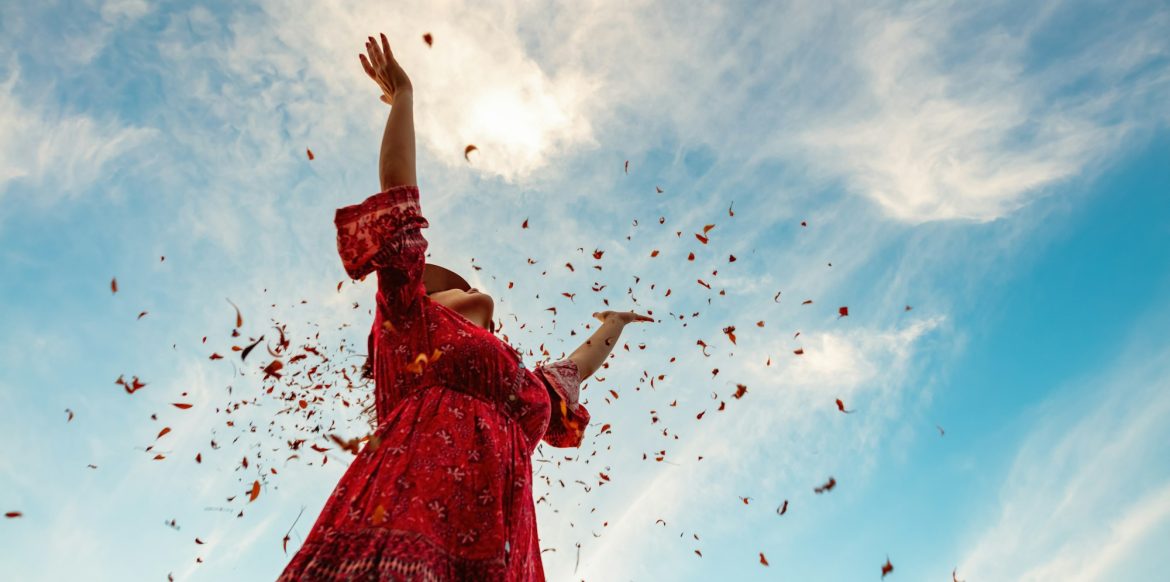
[593,352]
[396,162]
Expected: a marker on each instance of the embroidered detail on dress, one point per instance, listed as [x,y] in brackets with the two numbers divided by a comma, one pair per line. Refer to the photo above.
[485,496]
[387,554]
[436,506]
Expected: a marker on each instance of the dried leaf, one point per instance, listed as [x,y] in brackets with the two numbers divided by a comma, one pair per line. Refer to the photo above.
[247,350]
[239,318]
[828,486]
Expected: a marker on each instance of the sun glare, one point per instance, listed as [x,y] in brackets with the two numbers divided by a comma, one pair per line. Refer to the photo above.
[502,116]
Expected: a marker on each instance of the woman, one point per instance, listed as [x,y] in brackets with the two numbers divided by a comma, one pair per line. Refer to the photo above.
[443,489]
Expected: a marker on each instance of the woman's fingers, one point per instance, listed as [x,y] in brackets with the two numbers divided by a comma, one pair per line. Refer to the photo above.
[386,48]
[369,68]
[375,52]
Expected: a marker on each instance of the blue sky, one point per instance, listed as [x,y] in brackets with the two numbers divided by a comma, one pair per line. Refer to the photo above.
[1002,169]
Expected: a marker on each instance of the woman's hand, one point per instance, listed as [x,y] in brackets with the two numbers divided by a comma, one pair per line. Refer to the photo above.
[384,69]
[621,317]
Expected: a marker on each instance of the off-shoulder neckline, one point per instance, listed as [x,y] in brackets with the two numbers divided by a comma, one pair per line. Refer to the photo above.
[463,321]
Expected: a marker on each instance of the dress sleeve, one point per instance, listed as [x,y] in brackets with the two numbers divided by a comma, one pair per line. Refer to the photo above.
[566,426]
[384,234]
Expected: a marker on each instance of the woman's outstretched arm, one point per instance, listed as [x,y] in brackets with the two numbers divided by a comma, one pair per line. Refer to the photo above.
[591,355]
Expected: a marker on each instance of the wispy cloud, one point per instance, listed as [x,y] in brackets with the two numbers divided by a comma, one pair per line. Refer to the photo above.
[56,153]
[940,128]
[1082,499]
[789,402]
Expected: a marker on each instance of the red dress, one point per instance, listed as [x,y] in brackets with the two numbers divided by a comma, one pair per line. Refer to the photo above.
[443,489]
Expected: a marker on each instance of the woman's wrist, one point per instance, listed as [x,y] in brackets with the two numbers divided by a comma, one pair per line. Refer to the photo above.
[403,93]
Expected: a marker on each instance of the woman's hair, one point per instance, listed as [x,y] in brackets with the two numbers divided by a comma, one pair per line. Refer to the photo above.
[370,413]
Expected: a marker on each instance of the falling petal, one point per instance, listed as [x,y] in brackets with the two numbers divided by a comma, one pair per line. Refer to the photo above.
[239,318]
[827,486]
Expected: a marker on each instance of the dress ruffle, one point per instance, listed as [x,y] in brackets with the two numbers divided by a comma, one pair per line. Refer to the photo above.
[568,417]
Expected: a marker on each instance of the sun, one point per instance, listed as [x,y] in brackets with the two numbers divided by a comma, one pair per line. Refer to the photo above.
[508,118]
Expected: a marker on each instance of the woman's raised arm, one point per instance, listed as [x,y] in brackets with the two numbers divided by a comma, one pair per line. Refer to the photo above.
[396,165]
[396,162]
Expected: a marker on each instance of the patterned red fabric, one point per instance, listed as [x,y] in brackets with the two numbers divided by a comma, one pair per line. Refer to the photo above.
[443,489]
